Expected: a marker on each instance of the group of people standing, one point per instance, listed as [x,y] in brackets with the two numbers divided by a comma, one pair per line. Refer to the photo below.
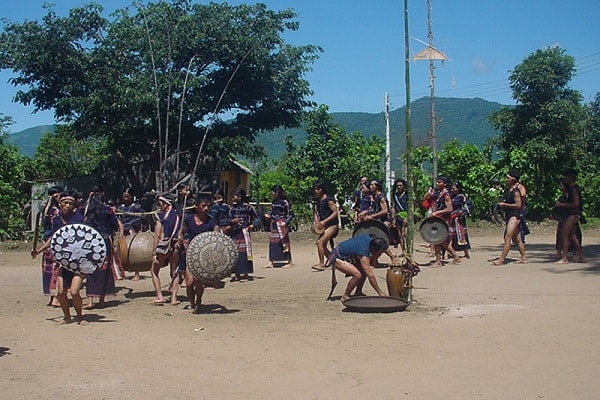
[68,207]
[175,221]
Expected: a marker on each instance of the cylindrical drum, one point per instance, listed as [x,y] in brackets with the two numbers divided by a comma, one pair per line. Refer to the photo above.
[78,248]
[137,251]
[434,230]
[211,256]
[394,280]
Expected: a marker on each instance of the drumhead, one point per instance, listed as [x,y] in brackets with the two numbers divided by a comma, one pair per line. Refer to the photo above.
[78,248]
[211,256]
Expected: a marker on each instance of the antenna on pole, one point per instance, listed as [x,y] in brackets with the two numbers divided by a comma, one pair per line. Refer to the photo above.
[388,167]
[431,53]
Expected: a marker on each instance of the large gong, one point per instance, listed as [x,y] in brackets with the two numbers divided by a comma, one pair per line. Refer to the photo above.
[211,256]
[78,248]
[434,230]
[373,227]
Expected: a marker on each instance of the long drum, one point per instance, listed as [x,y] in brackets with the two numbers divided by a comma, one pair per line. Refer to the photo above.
[78,248]
[211,256]
[434,230]
[137,251]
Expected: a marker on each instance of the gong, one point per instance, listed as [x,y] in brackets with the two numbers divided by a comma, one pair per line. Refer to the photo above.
[211,256]
[373,227]
[78,248]
[434,230]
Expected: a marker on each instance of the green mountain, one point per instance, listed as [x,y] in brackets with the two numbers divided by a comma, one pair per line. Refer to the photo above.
[461,119]
[28,140]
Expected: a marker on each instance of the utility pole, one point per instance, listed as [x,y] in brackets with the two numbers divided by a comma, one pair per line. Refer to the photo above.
[431,53]
[388,167]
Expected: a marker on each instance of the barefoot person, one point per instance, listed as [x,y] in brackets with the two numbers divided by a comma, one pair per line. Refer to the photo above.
[193,225]
[165,238]
[280,252]
[512,213]
[573,210]
[326,221]
[68,281]
[357,257]
[443,209]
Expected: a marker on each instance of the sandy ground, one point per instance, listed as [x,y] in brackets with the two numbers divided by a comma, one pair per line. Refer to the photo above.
[473,331]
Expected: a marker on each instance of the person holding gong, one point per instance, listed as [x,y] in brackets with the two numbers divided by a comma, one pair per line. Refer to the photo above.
[68,280]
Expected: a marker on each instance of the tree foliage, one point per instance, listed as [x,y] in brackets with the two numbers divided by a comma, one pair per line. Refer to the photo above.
[330,154]
[12,180]
[61,154]
[544,131]
[155,81]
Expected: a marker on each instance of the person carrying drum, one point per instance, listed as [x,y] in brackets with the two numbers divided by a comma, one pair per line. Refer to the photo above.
[165,238]
[357,257]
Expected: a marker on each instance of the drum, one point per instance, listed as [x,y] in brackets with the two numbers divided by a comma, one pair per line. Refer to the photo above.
[316,229]
[78,248]
[373,227]
[434,230]
[211,256]
[136,251]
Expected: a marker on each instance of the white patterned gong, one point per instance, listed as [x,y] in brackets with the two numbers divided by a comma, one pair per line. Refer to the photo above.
[211,256]
[78,248]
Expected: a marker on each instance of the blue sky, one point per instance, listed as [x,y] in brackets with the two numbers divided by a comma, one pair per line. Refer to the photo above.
[363,44]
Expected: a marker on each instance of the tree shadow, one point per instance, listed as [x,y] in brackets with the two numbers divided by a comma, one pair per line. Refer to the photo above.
[543,253]
[4,351]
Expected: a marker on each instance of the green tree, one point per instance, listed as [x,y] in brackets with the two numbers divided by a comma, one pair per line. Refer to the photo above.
[12,180]
[61,154]
[170,83]
[467,165]
[546,124]
[340,159]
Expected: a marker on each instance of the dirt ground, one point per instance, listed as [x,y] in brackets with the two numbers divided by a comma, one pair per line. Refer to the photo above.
[474,331]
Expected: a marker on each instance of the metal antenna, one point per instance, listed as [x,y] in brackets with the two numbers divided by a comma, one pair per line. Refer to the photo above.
[431,53]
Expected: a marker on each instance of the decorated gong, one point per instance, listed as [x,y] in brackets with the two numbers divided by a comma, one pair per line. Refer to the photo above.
[211,256]
[78,248]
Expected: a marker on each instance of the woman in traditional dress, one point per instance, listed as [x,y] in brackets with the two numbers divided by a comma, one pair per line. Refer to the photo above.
[49,270]
[460,210]
[165,239]
[67,280]
[131,215]
[194,224]
[280,252]
[443,209]
[243,219]
[512,205]
[399,213]
[326,222]
[103,218]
